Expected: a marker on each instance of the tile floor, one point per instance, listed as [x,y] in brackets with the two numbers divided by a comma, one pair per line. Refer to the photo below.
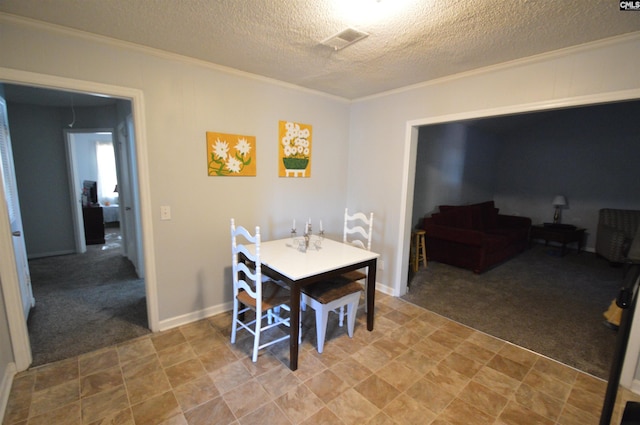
[415,368]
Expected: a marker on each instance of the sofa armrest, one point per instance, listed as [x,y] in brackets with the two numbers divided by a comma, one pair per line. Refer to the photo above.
[454,234]
[513,221]
[609,242]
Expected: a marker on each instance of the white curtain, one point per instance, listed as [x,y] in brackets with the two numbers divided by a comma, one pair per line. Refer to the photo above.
[107,179]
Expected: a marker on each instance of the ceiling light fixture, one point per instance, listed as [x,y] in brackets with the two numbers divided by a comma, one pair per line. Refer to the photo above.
[344,38]
[361,13]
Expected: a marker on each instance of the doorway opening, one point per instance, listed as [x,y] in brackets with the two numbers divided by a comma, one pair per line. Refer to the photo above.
[62,261]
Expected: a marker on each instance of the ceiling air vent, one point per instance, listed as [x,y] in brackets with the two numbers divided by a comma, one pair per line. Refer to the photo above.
[344,38]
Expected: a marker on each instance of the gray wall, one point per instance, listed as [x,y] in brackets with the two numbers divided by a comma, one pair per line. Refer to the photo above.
[41,170]
[455,165]
[588,154]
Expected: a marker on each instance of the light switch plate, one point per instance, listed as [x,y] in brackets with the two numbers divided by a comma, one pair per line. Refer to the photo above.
[165,212]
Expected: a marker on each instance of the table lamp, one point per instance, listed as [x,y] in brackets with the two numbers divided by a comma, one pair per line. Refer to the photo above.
[558,202]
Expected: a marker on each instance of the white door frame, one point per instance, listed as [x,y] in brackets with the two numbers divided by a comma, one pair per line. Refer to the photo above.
[17,324]
[74,183]
[409,167]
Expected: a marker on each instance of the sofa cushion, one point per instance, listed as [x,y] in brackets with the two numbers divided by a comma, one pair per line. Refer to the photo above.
[473,217]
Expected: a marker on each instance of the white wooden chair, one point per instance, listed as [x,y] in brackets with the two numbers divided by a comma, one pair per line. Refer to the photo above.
[252,292]
[358,231]
[333,296]
[327,296]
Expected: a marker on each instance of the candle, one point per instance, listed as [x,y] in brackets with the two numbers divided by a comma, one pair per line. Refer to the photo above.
[294,224]
[321,225]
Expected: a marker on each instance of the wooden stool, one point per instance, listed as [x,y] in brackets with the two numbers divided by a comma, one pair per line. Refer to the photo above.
[419,249]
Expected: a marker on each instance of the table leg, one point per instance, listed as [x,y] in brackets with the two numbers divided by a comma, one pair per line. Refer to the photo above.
[371,292]
[294,304]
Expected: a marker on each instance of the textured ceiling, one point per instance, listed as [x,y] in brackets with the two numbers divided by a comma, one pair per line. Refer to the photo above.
[410,41]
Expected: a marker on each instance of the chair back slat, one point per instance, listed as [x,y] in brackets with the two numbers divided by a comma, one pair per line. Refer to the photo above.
[358,229]
[246,278]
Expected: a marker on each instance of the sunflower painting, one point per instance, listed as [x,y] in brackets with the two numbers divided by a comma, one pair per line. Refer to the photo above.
[231,154]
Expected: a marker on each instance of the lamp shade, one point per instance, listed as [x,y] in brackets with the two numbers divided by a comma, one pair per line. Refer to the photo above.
[559,201]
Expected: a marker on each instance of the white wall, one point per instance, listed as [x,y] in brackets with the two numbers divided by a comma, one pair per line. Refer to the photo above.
[183,99]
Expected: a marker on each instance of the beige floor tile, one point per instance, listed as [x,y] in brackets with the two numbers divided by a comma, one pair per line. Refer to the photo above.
[590,402]
[555,369]
[55,374]
[278,381]
[269,413]
[101,381]
[123,417]
[444,338]
[407,410]
[548,384]
[377,391]
[172,355]
[214,411]
[352,408]
[246,397]
[104,404]
[323,416]
[496,381]
[416,367]
[184,372]
[156,410]
[196,392]
[68,414]
[509,367]
[227,378]
[515,414]
[430,395]
[483,398]
[462,413]
[217,358]
[98,361]
[135,349]
[171,338]
[474,351]
[399,375]
[539,402]
[299,404]
[447,379]
[54,397]
[461,364]
[327,385]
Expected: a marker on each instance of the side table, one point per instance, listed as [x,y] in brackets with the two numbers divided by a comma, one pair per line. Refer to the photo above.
[562,235]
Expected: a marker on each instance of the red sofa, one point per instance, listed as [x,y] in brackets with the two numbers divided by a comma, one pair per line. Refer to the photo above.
[474,237]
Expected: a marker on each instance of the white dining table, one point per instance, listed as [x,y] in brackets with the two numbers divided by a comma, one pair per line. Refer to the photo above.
[284,261]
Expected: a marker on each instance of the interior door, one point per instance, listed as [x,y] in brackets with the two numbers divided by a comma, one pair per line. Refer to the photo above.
[13,204]
[129,196]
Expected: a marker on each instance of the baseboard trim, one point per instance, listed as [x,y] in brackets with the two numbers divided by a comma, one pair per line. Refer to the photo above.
[5,387]
[50,254]
[635,386]
[185,319]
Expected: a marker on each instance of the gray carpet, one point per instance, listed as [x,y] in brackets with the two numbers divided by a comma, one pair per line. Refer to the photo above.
[85,302]
[549,304]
